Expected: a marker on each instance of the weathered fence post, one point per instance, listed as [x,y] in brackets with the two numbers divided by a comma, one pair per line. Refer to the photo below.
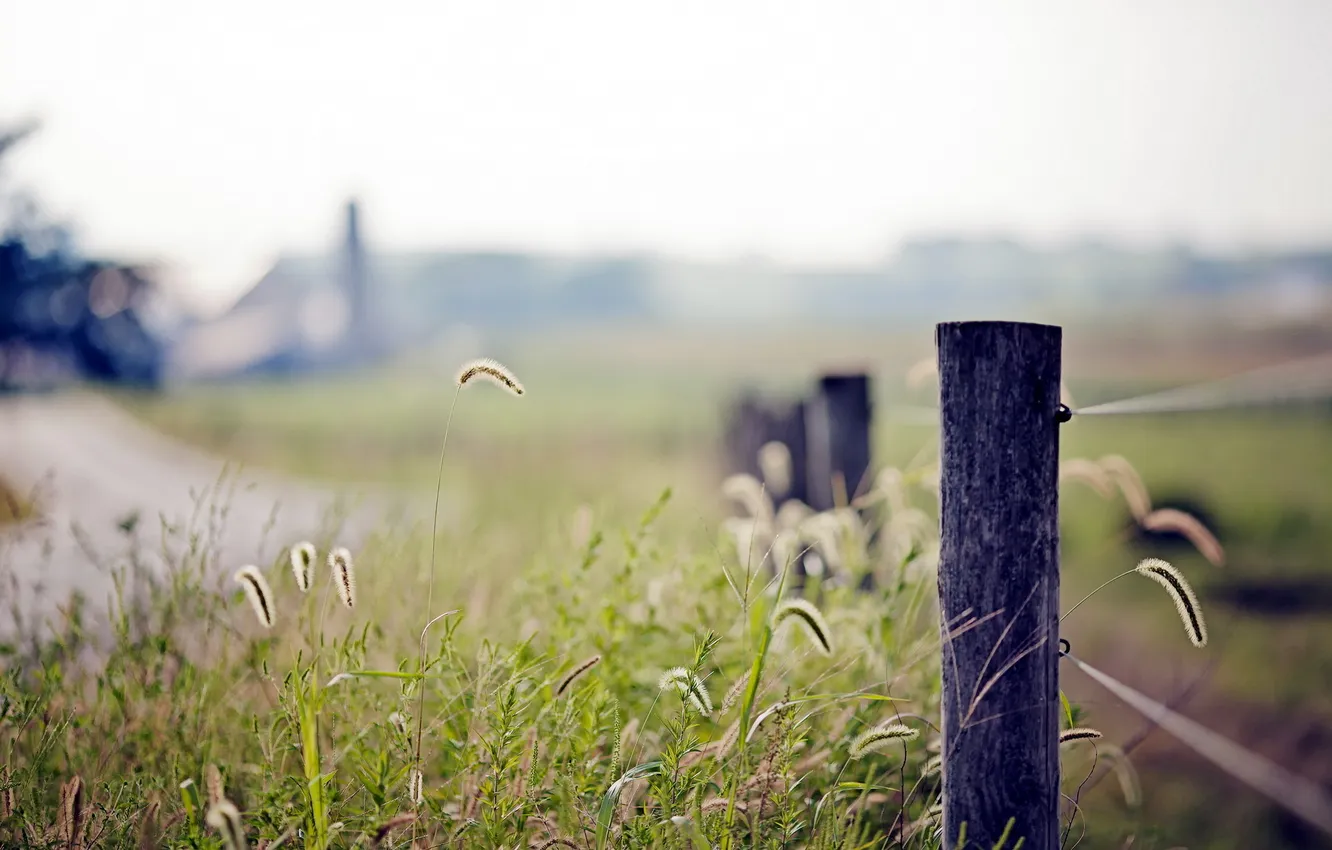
[745,426]
[750,424]
[999,581]
[837,426]
[789,429]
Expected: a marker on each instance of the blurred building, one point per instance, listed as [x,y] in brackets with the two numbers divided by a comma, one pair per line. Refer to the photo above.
[355,306]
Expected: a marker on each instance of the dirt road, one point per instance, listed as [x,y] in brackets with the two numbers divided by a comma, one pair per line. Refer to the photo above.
[107,486]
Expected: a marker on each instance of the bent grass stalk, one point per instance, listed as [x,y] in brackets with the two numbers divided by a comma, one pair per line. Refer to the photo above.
[225,818]
[1190,612]
[753,679]
[302,557]
[1078,733]
[809,617]
[258,592]
[344,575]
[879,737]
[575,673]
[307,714]
[1170,519]
[495,372]
[1182,594]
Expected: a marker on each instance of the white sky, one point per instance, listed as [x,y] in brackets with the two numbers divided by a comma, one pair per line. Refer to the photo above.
[213,135]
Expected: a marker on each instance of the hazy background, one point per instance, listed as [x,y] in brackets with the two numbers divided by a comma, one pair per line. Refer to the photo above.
[269,232]
[215,138]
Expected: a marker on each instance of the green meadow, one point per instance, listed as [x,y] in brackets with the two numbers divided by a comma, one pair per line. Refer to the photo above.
[590,523]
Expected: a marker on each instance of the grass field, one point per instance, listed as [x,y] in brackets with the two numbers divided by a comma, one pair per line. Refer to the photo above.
[591,446]
[14,506]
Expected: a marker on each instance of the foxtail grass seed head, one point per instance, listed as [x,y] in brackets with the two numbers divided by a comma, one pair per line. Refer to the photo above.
[792,513]
[302,564]
[257,591]
[344,575]
[8,805]
[490,370]
[735,691]
[810,619]
[226,819]
[879,737]
[1130,484]
[1169,519]
[774,460]
[150,827]
[1180,591]
[749,492]
[1088,472]
[890,486]
[71,821]
[691,687]
[720,804]
[384,829]
[1078,733]
[213,783]
[821,531]
[728,740]
[575,673]
[922,371]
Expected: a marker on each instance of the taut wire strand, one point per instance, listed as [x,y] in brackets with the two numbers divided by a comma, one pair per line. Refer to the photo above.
[1308,379]
[1295,793]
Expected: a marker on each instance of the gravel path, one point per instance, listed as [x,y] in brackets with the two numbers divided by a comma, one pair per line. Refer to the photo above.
[93,467]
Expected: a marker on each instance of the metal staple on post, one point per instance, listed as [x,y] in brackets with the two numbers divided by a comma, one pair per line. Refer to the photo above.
[999,581]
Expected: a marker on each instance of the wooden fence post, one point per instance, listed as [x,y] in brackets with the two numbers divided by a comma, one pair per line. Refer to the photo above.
[750,423]
[999,581]
[788,427]
[838,432]
[745,426]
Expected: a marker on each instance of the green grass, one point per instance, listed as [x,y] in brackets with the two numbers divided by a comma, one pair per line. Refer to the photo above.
[309,724]
[537,598]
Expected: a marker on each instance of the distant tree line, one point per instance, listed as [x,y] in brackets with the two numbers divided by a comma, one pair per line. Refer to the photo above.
[65,317]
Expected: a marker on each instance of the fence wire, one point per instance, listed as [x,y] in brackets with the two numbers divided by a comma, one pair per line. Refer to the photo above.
[1296,794]
[1309,379]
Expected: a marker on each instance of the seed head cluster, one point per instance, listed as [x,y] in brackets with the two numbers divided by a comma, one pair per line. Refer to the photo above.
[690,686]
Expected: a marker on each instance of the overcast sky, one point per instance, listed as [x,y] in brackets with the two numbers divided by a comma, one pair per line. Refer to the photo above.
[214,135]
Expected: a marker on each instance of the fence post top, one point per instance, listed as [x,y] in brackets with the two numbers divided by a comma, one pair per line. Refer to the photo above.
[976,324]
[828,379]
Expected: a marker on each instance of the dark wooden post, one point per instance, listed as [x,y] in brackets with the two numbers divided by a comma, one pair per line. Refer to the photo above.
[838,438]
[789,429]
[999,581]
[745,427]
[750,423]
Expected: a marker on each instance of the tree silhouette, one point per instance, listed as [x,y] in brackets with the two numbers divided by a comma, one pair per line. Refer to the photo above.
[63,316]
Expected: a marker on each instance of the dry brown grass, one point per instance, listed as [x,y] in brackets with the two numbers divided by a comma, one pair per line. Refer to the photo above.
[13,506]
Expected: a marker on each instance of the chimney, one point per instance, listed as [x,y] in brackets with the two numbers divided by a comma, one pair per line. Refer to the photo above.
[361,331]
